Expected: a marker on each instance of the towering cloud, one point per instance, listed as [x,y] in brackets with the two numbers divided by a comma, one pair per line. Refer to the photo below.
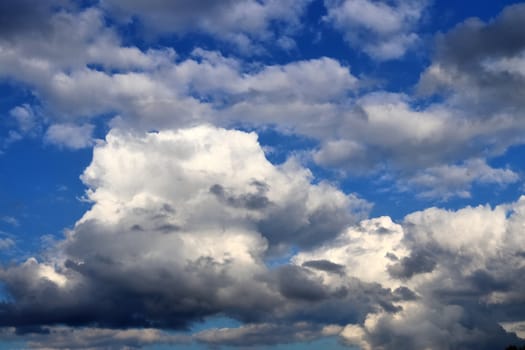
[180,227]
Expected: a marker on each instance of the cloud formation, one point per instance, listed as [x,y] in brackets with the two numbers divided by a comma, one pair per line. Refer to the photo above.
[179,230]
[190,221]
[243,23]
[182,225]
[382,29]
[356,131]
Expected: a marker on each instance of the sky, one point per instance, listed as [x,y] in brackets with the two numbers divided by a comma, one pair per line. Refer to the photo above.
[262,174]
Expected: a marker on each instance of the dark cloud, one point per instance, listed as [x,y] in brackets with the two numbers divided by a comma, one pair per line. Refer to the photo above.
[25,16]
[404,293]
[325,265]
[422,332]
[297,283]
[262,334]
[479,63]
[289,225]
[32,330]
[484,281]
[472,41]
[418,262]
[252,201]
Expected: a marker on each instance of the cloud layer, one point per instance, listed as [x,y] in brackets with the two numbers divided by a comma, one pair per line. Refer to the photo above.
[183,223]
[190,221]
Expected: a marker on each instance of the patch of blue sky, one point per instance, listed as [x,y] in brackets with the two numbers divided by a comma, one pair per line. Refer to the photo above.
[40,188]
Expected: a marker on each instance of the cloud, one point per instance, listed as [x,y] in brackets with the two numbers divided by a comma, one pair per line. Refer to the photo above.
[266,334]
[454,180]
[456,273]
[317,98]
[61,337]
[174,237]
[177,233]
[10,220]
[324,265]
[24,16]
[25,118]
[244,23]
[383,30]
[477,65]
[70,135]
[6,243]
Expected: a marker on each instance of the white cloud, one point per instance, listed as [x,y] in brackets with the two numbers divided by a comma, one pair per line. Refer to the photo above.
[25,118]
[383,30]
[316,98]
[70,135]
[189,216]
[10,220]
[364,250]
[6,243]
[458,265]
[447,181]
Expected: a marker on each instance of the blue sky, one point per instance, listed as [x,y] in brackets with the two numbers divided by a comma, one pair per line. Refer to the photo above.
[293,174]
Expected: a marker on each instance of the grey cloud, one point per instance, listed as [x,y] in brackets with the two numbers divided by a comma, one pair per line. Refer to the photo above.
[265,334]
[169,253]
[152,89]
[68,338]
[25,16]
[424,331]
[470,257]
[295,283]
[418,262]
[325,265]
[252,201]
[483,59]
[243,23]
[288,225]
[472,41]
[405,293]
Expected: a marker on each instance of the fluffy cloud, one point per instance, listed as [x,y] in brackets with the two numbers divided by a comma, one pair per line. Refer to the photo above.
[317,98]
[179,230]
[458,273]
[244,23]
[182,225]
[382,29]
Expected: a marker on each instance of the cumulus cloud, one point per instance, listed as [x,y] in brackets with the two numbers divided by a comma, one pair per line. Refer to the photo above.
[317,98]
[179,230]
[244,23]
[186,222]
[382,29]
[458,272]
[181,226]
